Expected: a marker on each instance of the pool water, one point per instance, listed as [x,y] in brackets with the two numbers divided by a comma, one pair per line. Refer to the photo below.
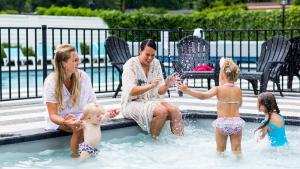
[195,150]
[99,76]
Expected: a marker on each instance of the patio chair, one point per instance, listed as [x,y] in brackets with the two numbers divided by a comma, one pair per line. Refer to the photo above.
[292,67]
[98,52]
[39,53]
[15,55]
[118,53]
[273,55]
[193,51]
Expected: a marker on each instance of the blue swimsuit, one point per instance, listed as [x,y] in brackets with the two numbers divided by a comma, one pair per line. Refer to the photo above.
[277,135]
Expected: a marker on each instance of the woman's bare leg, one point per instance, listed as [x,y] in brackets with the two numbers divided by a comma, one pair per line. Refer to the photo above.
[158,121]
[174,114]
[76,139]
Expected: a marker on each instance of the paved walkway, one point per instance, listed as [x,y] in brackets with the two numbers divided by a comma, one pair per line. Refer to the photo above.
[20,115]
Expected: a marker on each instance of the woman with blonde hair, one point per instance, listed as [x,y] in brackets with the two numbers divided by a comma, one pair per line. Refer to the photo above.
[66,91]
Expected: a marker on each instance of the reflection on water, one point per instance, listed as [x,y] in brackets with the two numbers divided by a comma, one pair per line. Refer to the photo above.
[195,150]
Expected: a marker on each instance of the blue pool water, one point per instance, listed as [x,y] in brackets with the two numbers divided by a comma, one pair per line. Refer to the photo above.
[195,150]
[99,76]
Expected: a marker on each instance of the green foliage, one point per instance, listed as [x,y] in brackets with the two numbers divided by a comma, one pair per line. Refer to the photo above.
[296,2]
[153,10]
[223,18]
[23,49]
[85,49]
[8,12]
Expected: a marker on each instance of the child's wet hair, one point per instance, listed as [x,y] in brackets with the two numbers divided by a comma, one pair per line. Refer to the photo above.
[230,70]
[268,100]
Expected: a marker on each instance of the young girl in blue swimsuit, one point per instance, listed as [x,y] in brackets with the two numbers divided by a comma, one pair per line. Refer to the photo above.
[273,124]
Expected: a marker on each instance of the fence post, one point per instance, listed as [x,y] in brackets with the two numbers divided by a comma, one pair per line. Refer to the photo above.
[180,33]
[44,49]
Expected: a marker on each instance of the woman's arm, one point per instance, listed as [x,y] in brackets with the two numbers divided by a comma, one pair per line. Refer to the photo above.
[55,118]
[200,95]
[170,80]
[138,90]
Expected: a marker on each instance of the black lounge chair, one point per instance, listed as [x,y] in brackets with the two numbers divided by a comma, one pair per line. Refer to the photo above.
[292,67]
[270,63]
[194,51]
[118,53]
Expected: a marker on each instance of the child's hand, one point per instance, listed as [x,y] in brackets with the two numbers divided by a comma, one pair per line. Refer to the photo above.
[113,113]
[182,87]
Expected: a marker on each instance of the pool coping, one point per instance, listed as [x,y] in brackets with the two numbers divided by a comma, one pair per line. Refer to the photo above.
[39,134]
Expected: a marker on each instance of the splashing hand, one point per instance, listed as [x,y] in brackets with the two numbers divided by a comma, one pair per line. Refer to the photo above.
[170,81]
[155,82]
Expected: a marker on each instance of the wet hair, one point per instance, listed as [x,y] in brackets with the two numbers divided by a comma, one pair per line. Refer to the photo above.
[267,100]
[230,70]
[63,54]
[90,109]
[148,42]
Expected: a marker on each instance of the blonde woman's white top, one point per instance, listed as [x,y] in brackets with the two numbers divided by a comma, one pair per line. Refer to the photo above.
[87,95]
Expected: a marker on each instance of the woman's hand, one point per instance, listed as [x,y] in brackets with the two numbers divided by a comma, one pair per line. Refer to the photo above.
[170,80]
[155,82]
[182,87]
[72,122]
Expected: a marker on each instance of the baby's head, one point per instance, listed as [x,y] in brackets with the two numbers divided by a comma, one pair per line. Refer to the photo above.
[266,102]
[93,112]
[229,70]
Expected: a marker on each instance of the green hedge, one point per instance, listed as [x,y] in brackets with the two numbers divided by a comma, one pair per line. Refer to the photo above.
[9,12]
[220,18]
[216,18]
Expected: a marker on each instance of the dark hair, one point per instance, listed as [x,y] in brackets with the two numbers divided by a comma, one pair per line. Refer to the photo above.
[148,42]
[268,100]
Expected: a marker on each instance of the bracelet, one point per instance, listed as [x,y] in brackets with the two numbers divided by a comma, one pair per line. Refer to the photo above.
[64,123]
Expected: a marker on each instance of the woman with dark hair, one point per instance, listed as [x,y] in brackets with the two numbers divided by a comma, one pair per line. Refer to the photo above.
[143,84]
[273,124]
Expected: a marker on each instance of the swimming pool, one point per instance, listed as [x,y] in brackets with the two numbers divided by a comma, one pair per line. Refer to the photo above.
[99,76]
[195,150]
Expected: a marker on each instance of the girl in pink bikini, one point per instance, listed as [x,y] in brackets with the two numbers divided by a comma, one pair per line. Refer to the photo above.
[229,98]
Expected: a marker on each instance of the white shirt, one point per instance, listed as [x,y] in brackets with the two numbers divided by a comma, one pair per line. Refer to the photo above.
[87,95]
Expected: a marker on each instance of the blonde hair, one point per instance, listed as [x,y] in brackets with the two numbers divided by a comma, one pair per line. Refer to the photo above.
[90,109]
[230,70]
[62,54]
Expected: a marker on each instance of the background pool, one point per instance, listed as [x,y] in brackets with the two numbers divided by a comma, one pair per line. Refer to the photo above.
[195,150]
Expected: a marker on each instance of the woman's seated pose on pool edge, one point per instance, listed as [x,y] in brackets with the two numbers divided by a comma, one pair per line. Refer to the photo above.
[229,98]
[273,124]
[143,84]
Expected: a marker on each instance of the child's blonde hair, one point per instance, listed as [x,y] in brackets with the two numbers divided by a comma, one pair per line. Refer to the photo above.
[90,109]
[230,70]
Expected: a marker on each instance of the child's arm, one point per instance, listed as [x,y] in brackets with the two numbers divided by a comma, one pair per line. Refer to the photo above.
[200,95]
[263,132]
[110,114]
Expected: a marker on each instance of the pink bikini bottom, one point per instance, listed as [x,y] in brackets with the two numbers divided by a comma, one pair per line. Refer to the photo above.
[229,125]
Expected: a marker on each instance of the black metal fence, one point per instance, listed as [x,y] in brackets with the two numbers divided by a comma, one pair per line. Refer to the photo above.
[26,53]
